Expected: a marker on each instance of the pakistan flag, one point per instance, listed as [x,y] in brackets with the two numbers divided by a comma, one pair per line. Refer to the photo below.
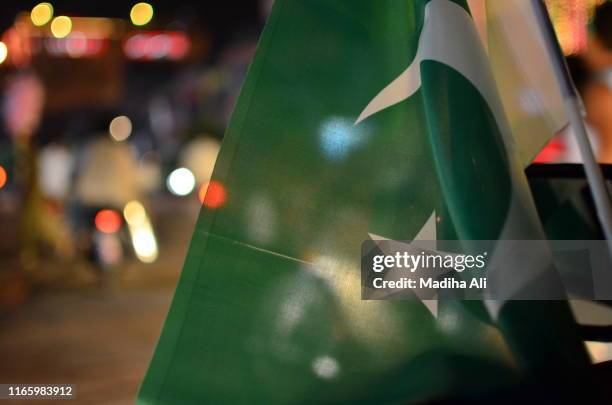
[357,118]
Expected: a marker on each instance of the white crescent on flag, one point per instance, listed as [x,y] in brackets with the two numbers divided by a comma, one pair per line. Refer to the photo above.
[449,36]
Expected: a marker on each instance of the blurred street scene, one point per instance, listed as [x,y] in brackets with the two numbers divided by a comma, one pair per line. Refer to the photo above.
[112,117]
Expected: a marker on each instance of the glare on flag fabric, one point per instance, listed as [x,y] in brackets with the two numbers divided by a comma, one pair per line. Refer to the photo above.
[357,118]
[524,74]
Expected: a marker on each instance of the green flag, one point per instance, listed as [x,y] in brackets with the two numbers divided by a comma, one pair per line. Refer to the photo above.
[357,119]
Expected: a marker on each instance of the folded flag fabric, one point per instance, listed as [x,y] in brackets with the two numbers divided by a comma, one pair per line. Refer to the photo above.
[357,118]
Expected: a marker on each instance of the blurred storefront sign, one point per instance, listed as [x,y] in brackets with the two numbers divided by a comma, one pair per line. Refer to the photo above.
[157,45]
[76,45]
[72,83]
[71,66]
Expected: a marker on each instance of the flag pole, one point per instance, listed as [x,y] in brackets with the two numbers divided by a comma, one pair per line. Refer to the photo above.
[573,108]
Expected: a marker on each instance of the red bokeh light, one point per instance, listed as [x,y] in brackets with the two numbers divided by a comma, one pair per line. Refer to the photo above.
[108,221]
[552,152]
[212,194]
[3,177]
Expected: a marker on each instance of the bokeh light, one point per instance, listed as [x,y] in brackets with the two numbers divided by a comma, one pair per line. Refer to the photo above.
[3,52]
[61,26]
[107,221]
[571,19]
[338,137]
[110,251]
[145,244]
[41,14]
[212,194]
[141,14]
[134,213]
[141,231]
[120,128]
[3,177]
[181,182]
[325,367]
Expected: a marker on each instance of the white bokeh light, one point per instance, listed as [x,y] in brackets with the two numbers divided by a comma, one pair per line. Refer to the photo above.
[145,244]
[325,367]
[181,182]
[120,128]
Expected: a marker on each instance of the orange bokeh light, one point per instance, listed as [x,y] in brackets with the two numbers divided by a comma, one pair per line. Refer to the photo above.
[212,194]
[108,221]
[3,177]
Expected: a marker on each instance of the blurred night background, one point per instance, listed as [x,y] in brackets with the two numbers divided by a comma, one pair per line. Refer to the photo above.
[111,117]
